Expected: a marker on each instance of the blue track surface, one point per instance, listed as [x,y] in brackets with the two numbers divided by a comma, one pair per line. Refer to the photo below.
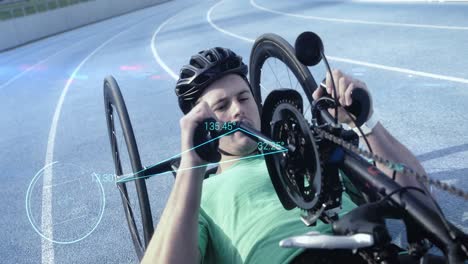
[413,58]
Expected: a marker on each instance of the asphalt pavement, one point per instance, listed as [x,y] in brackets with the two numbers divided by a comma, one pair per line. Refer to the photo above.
[412,56]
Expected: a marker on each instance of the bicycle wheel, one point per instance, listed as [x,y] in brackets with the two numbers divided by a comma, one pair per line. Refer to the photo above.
[273,65]
[113,100]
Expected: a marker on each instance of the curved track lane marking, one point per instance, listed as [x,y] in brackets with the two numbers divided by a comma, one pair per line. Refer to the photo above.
[354,21]
[163,64]
[345,60]
[46,224]
[155,51]
[208,18]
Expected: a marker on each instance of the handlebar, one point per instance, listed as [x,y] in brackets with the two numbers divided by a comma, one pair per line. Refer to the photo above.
[360,107]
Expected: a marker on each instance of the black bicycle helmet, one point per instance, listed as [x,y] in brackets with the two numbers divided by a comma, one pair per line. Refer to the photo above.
[204,68]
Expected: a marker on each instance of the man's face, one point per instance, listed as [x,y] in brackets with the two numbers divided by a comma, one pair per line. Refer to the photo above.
[231,100]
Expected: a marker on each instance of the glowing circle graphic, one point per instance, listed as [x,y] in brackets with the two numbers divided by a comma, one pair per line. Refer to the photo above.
[72,196]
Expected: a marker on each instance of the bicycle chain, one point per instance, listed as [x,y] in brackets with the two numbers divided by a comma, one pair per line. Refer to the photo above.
[392,165]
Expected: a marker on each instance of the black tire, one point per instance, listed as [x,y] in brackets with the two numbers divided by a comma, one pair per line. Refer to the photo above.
[113,100]
[273,46]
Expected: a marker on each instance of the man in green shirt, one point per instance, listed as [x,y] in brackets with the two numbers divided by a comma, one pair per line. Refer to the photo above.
[235,216]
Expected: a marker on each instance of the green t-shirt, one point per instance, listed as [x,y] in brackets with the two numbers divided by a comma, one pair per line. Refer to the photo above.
[242,220]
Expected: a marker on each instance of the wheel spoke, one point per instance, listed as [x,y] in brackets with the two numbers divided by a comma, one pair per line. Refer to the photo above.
[289,77]
[274,74]
[263,87]
[307,109]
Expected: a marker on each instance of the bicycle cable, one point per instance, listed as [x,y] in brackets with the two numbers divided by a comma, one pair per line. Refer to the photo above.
[404,171]
[391,165]
[439,211]
[334,100]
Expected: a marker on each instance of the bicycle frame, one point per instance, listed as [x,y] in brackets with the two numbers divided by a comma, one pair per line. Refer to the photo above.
[359,170]
[371,181]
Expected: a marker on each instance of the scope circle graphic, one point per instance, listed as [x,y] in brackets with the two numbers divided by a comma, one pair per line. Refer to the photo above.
[78,218]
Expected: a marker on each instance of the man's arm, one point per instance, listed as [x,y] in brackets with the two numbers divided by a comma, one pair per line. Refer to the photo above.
[386,146]
[176,237]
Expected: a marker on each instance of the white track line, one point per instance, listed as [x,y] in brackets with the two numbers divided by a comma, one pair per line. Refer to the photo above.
[47,226]
[345,60]
[165,66]
[208,18]
[155,51]
[401,70]
[353,21]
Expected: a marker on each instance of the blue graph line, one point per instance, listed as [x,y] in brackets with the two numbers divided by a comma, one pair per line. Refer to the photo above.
[227,133]
[182,169]
[265,140]
[232,131]
[130,178]
[248,157]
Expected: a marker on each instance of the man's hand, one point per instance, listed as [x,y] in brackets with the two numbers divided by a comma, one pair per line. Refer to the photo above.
[381,141]
[344,88]
[188,124]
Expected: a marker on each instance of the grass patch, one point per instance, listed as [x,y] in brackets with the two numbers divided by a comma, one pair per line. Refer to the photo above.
[63,3]
[52,5]
[29,7]
[4,15]
[29,10]
[41,7]
[18,12]
[13,5]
